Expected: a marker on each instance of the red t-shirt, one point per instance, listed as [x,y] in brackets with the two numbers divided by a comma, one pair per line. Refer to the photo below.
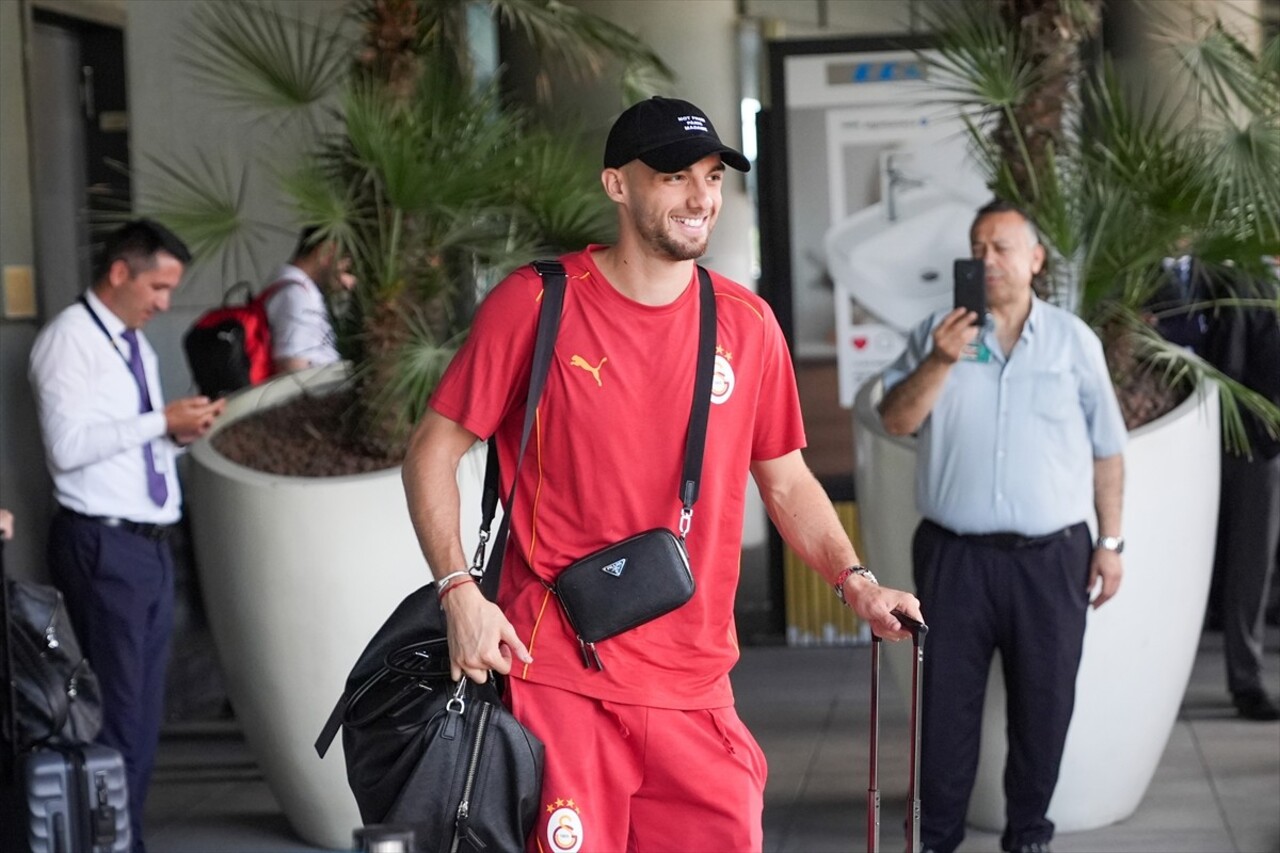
[605,458]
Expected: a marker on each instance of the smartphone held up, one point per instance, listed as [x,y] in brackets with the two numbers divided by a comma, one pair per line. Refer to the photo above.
[971,287]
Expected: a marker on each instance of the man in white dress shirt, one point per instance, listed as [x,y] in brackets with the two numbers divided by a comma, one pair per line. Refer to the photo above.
[301,334]
[110,443]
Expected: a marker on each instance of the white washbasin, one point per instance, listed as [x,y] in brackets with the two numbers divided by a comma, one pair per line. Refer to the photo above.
[900,271]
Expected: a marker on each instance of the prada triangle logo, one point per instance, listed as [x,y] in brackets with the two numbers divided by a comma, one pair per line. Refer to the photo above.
[615,568]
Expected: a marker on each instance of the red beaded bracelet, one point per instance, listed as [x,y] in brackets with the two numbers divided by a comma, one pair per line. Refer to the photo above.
[842,577]
[451,587]
[858,569]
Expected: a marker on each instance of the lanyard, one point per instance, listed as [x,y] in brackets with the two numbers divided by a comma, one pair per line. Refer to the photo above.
[110,338]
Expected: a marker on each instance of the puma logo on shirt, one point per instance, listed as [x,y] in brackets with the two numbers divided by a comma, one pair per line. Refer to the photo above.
[579,361]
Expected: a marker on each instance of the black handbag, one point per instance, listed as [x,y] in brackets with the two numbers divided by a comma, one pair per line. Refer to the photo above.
[446,759]
[646,575]
[52,696]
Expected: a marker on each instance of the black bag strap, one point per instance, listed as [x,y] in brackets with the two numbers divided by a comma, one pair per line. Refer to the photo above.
[695,442]
[701,408]
[553,287]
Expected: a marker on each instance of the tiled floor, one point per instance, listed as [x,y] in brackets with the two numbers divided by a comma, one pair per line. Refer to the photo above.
[1217,789]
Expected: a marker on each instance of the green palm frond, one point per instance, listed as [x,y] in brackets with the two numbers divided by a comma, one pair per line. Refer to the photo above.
[1225,73]
[1269,59]
[320,200]
[418,363]
[204,202]
[386,143]
[260,59]
[1242,165]
[583,43]
[1139,146]
[560,191]
[1059,193]
[1238,129]
[978,63]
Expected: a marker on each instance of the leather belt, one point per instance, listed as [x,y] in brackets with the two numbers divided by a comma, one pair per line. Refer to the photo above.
[148,531]
[1007,541]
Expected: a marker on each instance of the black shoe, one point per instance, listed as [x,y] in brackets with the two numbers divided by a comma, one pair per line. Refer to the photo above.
[1255,705]
[1034,847]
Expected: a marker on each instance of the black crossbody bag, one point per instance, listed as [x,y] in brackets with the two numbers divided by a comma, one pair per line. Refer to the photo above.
[647,575]
[443,758]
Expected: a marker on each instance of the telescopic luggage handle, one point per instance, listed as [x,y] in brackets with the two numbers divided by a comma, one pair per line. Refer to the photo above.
[918,631]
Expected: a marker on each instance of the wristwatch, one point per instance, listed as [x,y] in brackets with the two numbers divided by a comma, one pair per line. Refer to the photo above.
[859,569]
[1111,543]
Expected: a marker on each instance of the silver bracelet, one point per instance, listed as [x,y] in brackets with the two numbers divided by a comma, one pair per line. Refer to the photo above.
[444,582]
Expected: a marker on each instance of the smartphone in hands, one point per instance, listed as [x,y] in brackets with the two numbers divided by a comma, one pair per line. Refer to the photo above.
[971,287]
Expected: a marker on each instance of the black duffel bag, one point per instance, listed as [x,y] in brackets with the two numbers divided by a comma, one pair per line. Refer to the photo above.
[55,698]
[446,759]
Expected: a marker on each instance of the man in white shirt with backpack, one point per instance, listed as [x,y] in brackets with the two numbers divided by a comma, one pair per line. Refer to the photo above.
[301,333]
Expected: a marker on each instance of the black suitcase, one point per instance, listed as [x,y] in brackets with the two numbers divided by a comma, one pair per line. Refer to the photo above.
[918,631]
[68,799]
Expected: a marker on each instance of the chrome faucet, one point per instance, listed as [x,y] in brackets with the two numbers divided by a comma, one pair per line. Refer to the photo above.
[897,180]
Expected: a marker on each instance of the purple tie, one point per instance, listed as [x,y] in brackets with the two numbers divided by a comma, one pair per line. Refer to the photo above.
[156,485]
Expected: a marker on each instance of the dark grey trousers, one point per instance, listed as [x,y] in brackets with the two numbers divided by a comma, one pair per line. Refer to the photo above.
[1248,535]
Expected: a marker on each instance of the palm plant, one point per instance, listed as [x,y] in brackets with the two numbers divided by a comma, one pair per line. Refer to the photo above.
[1117,184]
[394,144]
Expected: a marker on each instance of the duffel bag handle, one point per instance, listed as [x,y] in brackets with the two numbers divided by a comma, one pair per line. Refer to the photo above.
[340,716]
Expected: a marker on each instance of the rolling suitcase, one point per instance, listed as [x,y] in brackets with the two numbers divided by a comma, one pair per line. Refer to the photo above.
[72,798]
[918,631]
[77,800]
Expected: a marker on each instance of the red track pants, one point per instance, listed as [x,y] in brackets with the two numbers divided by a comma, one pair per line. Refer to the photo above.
[633,779]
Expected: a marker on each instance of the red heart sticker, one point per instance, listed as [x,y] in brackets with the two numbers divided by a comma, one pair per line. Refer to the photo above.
[860,343]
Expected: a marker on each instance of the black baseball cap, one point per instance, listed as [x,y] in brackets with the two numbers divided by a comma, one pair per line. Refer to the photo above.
[668,135]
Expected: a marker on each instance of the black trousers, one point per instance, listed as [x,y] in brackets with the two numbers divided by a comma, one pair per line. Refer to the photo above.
[1248,534]
[118,588]
[1029,603]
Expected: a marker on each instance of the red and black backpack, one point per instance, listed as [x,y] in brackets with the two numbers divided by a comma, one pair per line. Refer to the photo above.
[229,347]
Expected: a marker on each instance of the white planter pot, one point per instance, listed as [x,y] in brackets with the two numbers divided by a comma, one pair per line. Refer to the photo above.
[1138,648]
[297,573]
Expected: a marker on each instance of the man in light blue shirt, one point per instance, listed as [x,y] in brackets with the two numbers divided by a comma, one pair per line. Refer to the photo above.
[1020,441]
